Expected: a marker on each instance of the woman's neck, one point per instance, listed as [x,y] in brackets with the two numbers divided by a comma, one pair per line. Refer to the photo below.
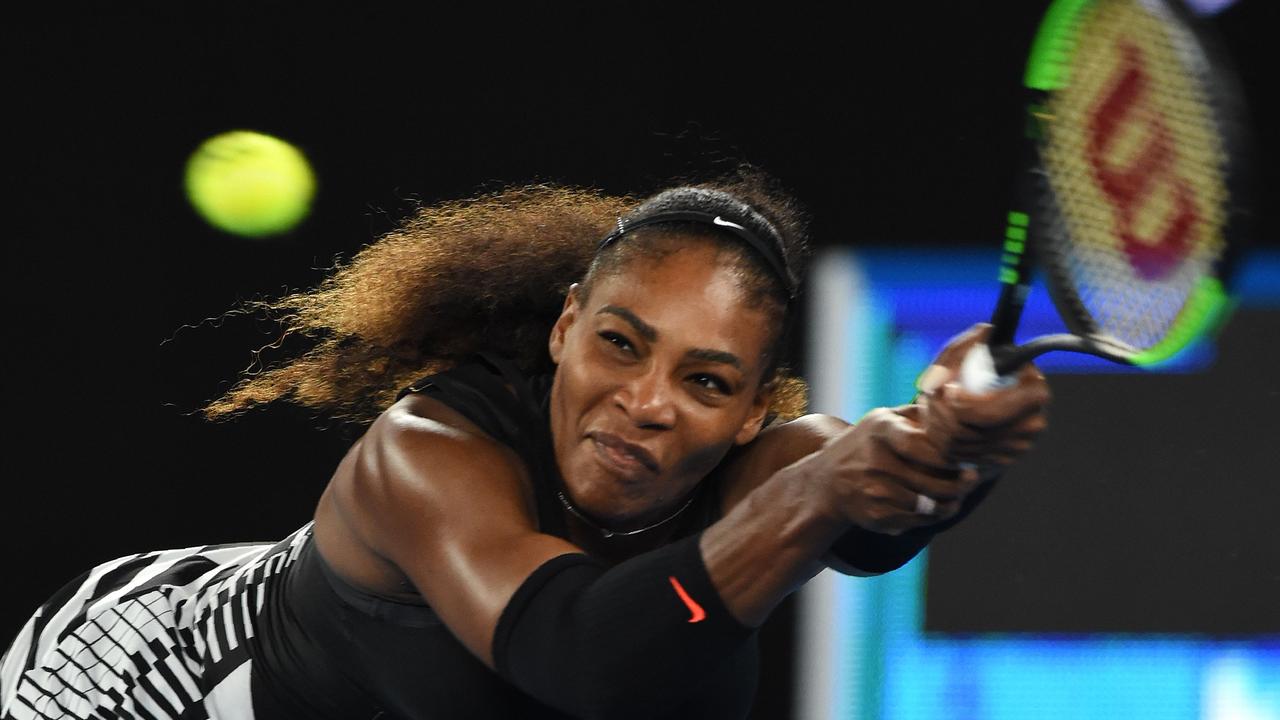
[614,548]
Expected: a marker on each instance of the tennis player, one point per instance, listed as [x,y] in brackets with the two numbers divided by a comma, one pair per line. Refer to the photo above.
[573,500]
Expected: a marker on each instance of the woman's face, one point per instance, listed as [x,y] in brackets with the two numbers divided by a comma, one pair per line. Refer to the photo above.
[659,375]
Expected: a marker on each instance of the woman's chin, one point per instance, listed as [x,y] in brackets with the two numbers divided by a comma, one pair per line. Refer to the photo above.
[608,505]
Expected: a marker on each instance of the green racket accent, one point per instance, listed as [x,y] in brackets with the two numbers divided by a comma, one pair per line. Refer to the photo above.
[1016,233]
[1055,42]
[1208,305]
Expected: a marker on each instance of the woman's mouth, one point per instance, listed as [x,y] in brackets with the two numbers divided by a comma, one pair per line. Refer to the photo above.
[627,459]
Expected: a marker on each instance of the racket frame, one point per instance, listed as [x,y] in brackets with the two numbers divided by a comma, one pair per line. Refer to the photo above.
[1035,213]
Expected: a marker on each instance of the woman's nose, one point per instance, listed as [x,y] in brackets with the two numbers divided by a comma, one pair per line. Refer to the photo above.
[648,400]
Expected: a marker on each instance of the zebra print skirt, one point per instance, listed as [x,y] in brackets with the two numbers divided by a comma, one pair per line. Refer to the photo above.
[158,635]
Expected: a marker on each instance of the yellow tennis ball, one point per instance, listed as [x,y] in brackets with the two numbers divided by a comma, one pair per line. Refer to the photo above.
[249,183]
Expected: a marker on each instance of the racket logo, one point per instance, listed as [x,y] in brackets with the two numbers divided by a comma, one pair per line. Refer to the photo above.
[1148,177]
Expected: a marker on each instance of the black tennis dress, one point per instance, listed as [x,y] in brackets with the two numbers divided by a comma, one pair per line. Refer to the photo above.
[269,631]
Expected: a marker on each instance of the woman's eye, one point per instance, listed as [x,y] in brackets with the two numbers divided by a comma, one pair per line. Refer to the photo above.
[712,383]
[616,340]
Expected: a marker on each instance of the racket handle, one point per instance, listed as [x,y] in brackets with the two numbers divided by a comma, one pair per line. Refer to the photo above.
[978,375]
[978,371]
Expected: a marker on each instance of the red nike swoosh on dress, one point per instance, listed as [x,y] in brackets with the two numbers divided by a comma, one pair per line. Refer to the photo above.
[695,610]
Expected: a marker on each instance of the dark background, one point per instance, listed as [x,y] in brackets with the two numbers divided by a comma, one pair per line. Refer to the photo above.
[1148,508]
[895,124]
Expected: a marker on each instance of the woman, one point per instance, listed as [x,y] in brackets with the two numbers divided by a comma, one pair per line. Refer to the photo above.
[583,509]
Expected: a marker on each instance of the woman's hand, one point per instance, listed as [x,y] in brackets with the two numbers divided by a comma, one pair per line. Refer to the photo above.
[913,466]
[874,474]
[991,429]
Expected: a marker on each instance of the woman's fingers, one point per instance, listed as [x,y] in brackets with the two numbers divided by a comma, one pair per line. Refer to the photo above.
[1014,441]
[993,412]
[886,505]
[947,364]
[904,453]
[891,479]
[918,451]
[939,423]
[985,428]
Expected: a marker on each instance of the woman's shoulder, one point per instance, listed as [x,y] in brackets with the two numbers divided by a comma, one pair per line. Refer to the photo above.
[471,426]
[422,437]
[422,467]
[490,392]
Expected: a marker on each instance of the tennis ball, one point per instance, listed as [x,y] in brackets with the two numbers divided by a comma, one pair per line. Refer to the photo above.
[250,184]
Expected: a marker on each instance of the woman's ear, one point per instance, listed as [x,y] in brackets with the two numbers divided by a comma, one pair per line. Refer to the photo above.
[755,417]
[568,314]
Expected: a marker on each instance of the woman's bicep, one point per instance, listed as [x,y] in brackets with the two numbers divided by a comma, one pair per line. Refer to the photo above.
[451,510]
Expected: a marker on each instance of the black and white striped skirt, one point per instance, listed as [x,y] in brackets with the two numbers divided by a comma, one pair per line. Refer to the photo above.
[157,635]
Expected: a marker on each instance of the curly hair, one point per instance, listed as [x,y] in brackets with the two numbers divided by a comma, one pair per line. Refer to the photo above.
[487,273]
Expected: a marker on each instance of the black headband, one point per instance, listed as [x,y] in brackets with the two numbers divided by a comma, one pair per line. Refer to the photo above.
[770,251]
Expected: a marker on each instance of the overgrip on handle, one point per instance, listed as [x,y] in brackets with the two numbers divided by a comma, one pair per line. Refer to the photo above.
[978,375]
[978,371]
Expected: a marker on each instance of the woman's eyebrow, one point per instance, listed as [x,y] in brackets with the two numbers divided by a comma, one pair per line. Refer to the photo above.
[649,333]
[717,356]
[646,330]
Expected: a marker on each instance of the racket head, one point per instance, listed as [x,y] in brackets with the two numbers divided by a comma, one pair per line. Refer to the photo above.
[1139,213]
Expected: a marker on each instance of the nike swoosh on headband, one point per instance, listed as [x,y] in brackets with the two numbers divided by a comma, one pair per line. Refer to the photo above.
[721,221]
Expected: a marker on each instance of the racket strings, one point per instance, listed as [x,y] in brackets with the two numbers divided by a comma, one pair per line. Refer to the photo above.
[1137,175]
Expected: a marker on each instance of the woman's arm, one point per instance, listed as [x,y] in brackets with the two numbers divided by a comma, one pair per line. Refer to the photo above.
[947,427]
[449,507]
[858,551]
[773,449]
[806,486]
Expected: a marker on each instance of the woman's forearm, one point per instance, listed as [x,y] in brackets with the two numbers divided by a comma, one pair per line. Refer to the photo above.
[770,543]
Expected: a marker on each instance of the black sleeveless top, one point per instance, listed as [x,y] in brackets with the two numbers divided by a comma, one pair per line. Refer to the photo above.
[342,652]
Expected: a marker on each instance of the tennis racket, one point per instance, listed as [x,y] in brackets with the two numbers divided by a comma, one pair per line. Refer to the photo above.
[1131,201]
